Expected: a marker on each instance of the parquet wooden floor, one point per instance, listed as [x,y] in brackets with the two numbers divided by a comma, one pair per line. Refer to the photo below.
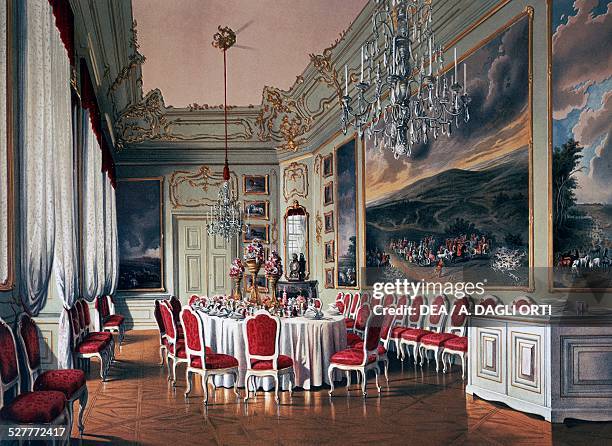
[138,406]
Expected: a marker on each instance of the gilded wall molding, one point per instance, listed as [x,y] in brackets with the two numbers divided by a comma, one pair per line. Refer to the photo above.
[183,184]
[150,120]
[318,227]
[295,181]
[136,59]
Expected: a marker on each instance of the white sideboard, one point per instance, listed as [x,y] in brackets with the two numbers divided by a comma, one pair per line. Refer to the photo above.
[558,367]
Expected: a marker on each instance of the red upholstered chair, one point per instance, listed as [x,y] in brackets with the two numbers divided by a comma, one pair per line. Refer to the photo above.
[162,332]
[84,347]
[175,306]
[522,301]
[193,299]
[85,322]
[435,342]
[413,319]
[205,363]
[113,323]
[347,301]
[317,303]
[388,300]
[71,382]
[356,335]
[383,347]
[352,314]
[489,301]
[44,407]
[262,337]
[175,346]
[361,360]
[434,322]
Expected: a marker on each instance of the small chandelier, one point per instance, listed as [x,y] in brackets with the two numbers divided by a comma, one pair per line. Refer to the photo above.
[408,100]
[225,216]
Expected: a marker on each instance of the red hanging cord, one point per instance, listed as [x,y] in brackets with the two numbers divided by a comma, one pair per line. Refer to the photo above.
[226,172]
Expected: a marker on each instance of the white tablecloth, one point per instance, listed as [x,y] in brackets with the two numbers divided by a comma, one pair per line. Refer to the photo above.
[309,342]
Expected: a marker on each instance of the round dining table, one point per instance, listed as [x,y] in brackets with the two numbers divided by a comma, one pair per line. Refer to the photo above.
[309,342]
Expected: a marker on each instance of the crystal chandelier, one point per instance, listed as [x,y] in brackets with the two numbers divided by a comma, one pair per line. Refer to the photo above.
[225,216]
[405,98]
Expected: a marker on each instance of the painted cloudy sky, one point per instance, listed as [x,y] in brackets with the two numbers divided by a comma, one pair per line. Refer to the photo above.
[138,219]
[582,89]
[346,195]
[498,75]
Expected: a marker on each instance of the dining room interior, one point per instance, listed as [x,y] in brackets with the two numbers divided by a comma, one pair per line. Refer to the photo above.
[305,222]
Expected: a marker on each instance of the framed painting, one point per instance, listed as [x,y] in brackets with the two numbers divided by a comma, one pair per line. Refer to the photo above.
[7,216]
[464,201]
[328,221]
[328,165]
[140,234]
[580,106]
[346,213]
[328,194]
[329,278]
[256,232]
[329,251]
[255,184]
[256,209]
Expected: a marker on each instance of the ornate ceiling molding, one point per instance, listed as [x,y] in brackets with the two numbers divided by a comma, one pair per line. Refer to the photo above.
[295,181]
[185,185]
[151,120]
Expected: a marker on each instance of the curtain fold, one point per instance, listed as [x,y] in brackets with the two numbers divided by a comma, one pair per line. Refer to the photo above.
[4,246]
[110,238]
[43,107]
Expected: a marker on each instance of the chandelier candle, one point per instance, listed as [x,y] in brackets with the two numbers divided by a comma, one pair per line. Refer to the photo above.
[413,100]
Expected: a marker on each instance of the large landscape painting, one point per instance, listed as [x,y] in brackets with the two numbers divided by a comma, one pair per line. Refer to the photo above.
[139,225]
[582,148]
[464,200]
[346,214]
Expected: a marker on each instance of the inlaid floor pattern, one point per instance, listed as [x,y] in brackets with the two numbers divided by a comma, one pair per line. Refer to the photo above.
[419,406]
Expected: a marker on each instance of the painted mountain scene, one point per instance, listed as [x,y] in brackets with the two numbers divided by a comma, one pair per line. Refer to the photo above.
[582,145]
[458,209]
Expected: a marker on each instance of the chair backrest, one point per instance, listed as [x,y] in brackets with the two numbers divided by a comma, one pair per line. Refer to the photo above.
[27,333]
[193,328]
[361,318]
[75,324]
[87,314]
[372,330]
[102,307]
[9,365]
[401,306]
[416,317]
[437,316]
[387,324]
[489,301]
[79,304]
[346,301]
[175,306]
[355,303]
[193,299]
[261,333]
[459,316]
[339,296]
[169,322]
[317,303]
[366,298]
[158,318]
[388,300]
[522,301]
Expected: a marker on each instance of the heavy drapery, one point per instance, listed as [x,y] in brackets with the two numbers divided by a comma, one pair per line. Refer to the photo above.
[4,247]
[46,134]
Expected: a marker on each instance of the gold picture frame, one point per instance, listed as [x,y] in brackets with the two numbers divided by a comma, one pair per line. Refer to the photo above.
[255,184]
[328,193]
[328,222]
[160,180]
[250,215]
[330,251]
[260,277]
[329,277]
[328,165]
[263,236]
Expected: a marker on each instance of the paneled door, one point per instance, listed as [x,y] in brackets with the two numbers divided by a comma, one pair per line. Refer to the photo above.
[203,261]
